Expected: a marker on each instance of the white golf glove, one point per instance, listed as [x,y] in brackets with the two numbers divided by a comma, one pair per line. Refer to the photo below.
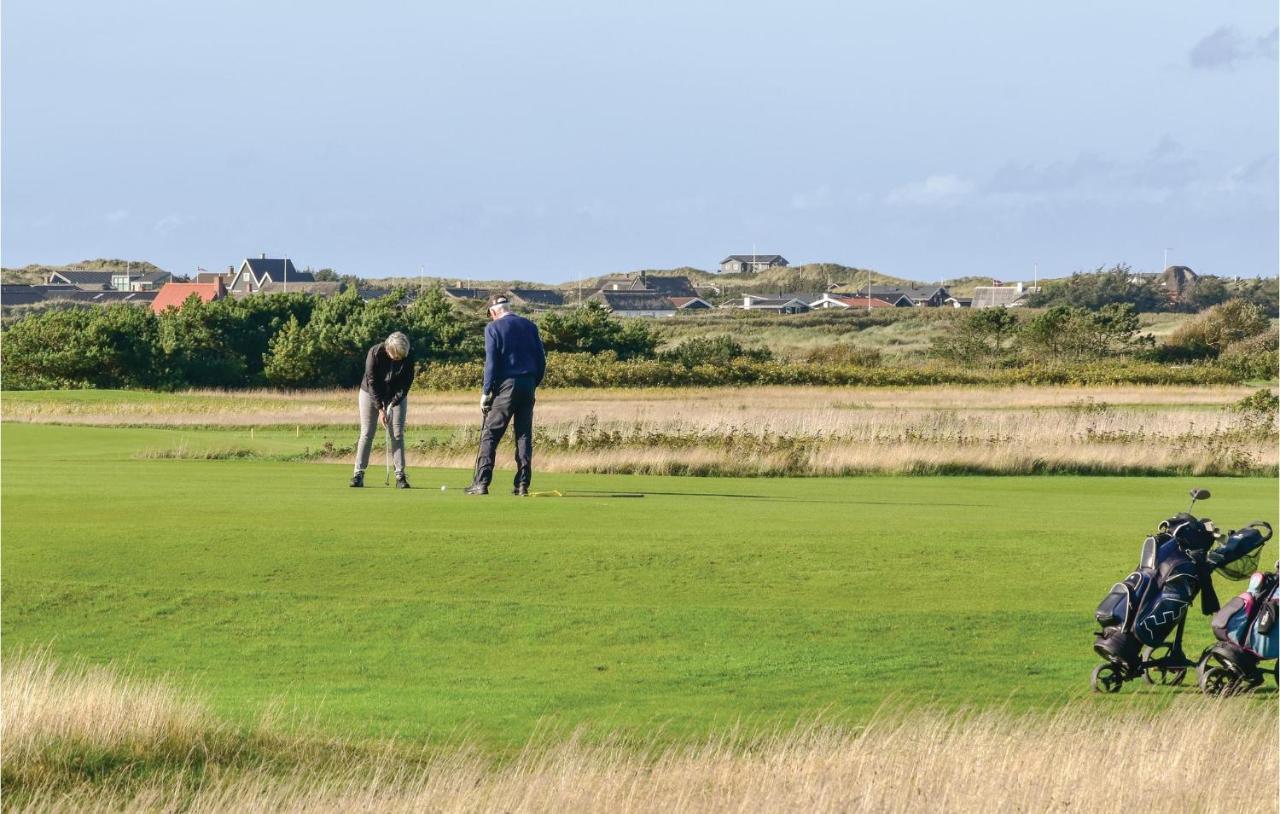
[486,403]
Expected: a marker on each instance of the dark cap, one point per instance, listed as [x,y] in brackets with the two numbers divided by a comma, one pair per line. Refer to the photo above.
[498,299]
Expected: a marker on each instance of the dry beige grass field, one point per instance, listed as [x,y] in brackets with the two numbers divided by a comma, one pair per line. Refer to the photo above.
[779,430]
[87,739]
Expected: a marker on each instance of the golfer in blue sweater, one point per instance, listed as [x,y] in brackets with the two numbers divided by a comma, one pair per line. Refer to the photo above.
[514,363]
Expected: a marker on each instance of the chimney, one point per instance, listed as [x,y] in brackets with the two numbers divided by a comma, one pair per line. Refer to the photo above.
[264,255]
[1019,287]
[221,289]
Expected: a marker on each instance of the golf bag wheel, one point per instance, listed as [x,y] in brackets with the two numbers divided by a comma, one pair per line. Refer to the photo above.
[1106,678]
[1215,680]
[1157,674]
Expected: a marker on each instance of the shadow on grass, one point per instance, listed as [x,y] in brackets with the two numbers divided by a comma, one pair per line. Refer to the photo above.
[775,498]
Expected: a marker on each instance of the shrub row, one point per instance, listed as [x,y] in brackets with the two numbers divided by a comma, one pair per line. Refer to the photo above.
[606,370]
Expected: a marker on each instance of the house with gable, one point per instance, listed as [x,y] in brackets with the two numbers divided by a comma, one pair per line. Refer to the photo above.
[256,272]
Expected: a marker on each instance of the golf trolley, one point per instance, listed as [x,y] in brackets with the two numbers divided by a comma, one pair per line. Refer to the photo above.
[1143,617]
[1165,664]
[1248,634]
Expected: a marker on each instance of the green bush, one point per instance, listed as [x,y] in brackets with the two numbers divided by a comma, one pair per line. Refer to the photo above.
[1209,333]
[1262,405]
[845,355]
[117,346]
[1253,358]
[1104,286]
[1066,333]
[982,335]
[606,370]
[290,340]
[715,350]
[591,329]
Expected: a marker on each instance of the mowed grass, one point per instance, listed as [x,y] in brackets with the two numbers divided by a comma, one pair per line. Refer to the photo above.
[431,615]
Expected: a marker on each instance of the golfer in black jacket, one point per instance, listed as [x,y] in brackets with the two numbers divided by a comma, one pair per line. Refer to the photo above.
[384,390]
[514,363]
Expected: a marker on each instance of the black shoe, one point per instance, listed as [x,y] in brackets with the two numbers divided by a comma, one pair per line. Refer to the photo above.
[357,480]
[520,491]
[401,481]
[476,489]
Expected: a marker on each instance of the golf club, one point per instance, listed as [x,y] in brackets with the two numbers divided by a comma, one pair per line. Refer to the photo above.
[386,425]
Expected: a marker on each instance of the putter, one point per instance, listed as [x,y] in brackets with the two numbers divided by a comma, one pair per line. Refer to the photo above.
[386,425]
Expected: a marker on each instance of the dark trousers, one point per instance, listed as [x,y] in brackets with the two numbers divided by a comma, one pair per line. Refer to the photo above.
[512,400]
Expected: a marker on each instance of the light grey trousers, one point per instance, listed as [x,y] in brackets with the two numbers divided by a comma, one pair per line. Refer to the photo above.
[369,425]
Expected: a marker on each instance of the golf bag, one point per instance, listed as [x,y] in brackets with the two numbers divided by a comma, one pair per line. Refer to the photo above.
[1175,567]
[1247,628]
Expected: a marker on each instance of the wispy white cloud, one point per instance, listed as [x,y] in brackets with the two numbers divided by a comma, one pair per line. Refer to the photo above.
[936,190]
[1167,172]
[1226,48]
[171,222]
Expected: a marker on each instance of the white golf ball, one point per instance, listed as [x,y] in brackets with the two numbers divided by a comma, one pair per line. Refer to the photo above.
[442,488]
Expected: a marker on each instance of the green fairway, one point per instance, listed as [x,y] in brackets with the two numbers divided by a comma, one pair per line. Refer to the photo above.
[430,614]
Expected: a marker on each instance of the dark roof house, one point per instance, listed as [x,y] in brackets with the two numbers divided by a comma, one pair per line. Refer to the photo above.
[781,303]
[932,296]
[254,272]
[458,292]
[536,297]
[635,303]
[15,294]
[675,286]
[83,279]
[830,300]
[689,303]
[738,263]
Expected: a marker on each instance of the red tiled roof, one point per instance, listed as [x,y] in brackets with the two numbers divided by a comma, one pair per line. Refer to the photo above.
[173,295]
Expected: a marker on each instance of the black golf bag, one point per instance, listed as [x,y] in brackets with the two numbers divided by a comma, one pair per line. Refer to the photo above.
[1175,567]
[1247,630]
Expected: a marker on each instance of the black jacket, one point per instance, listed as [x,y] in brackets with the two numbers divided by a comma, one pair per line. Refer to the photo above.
[385,379]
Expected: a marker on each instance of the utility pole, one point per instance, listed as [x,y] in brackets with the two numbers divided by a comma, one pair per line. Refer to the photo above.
[1166,259]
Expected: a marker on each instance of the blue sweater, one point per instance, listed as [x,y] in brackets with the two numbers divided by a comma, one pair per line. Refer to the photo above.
[512,347]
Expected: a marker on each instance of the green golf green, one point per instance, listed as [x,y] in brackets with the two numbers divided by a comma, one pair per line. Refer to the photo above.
[706,603]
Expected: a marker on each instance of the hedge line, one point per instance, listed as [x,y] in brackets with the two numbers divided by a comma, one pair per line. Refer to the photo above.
[602,370]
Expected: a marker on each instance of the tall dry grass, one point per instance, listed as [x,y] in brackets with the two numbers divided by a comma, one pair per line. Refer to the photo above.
[263,408]
[1196,754]
[777,430]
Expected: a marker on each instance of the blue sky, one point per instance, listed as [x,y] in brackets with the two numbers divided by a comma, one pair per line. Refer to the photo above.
[553,140]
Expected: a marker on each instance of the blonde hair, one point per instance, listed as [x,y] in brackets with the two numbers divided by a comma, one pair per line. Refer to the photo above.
[397,346]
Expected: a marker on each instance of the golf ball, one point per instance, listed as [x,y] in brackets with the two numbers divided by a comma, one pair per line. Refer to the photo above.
[442,488]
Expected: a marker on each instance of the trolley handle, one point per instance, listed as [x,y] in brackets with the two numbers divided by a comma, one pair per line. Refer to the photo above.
[1264,528]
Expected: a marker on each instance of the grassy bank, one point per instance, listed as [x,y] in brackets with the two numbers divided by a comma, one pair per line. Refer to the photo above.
[81,739]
